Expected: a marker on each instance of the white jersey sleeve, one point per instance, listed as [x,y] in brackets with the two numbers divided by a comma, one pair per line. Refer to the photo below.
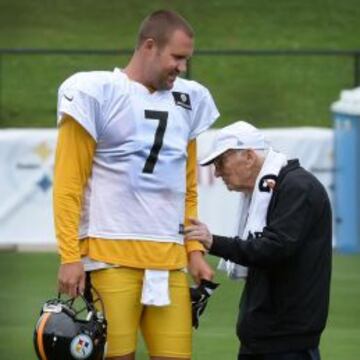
[205,113]
[80,97]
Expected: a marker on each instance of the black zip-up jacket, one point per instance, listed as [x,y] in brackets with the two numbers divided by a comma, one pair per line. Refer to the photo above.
[284,305]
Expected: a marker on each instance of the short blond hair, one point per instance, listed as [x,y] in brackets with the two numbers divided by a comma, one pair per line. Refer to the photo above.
[160,25]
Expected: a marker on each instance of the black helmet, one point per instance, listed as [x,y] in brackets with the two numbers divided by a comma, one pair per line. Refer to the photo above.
[64,333]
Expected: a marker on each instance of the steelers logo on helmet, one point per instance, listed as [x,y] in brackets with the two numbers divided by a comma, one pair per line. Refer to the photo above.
[71,328]
[81,346]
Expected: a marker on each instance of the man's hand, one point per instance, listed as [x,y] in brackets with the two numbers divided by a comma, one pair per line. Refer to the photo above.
[198,267]
[200,232]
[71,279]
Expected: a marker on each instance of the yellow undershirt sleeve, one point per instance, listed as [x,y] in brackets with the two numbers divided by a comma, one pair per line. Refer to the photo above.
[73,163]
[191,202]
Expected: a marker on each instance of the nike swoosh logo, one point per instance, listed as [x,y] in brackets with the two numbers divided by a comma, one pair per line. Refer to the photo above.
[68,98]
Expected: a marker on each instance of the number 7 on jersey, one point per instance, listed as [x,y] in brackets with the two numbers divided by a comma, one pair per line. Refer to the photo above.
[162,116]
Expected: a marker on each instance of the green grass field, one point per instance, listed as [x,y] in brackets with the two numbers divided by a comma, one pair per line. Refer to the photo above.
[269,91]
[28,279]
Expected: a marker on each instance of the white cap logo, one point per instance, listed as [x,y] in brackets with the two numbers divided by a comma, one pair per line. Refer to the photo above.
[81,346]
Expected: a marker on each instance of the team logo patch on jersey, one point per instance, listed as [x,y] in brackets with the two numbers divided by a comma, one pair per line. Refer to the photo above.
[81,347]
[182,99]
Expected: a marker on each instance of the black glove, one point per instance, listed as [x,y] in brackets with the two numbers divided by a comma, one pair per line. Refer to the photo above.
[199,298]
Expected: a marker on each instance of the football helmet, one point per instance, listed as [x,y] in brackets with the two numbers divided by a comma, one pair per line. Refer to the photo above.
[64,332]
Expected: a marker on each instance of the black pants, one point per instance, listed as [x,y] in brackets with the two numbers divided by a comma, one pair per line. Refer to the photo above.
[311,354]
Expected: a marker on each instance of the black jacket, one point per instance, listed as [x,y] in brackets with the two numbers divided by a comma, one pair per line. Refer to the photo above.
[284,305]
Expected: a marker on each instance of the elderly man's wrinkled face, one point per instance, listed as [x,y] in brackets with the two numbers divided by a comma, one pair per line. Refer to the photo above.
[236,169]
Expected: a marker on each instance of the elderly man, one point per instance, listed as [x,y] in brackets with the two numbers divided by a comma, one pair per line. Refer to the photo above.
[284,241]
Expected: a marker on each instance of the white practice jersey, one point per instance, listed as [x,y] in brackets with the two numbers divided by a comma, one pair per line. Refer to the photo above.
[138,181]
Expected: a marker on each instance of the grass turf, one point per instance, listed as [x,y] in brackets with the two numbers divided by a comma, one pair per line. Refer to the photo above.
[276,91]
[28,279]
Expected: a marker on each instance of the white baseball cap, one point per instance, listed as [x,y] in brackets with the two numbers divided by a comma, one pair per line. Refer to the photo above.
[239,135]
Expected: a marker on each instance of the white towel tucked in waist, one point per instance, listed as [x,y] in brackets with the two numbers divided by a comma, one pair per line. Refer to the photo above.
[155,290]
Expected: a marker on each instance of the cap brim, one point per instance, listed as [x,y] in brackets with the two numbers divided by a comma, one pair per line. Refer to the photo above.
[210,158]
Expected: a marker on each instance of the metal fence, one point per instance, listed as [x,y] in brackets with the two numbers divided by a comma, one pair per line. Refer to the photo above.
[352,56]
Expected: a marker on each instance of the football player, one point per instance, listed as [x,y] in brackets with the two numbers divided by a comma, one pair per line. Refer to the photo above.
[125,181]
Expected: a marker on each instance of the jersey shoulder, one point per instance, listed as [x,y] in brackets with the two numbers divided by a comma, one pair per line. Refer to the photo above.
[93,83]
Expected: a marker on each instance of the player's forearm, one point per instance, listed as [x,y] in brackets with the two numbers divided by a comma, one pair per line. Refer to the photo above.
[74,153]
[66,218]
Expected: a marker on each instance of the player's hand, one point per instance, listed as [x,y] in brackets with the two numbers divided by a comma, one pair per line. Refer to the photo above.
[200,232]
[198,267]
[71,279]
